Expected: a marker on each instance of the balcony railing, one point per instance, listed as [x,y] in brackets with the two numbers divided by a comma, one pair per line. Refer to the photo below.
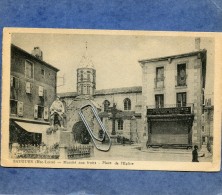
[159,83]
[181,81]
[170,109]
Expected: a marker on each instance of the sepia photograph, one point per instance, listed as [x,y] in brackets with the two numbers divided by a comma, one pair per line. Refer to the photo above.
[111,99]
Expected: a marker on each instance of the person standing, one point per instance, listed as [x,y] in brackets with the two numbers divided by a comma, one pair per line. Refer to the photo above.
[195,154]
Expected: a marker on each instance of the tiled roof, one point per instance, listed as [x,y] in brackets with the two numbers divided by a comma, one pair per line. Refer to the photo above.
[173,56]
[135,89]
[68,94]
[32,56]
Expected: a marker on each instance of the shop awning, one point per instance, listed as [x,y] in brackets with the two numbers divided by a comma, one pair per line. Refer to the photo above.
[32,127]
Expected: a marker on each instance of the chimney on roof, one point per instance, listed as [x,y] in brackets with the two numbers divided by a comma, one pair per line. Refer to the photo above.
[37,52]
[197,44]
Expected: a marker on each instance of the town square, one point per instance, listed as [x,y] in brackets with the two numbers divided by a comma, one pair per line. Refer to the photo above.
[111,97]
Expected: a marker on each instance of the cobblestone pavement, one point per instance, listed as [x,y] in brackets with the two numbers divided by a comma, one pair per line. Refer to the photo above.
[132,152]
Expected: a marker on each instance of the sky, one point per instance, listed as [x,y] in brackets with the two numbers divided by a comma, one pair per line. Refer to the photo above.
[115,57]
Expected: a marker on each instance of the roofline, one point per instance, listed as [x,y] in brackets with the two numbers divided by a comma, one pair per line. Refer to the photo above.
[45,63]
[101,94]
[63,95]
[172,56]
[119,92]
[85,68]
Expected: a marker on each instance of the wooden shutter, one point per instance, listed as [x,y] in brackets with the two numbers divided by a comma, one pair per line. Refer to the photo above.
[46,113]
[11,82]
[28,87]
[45,95]
[20,108]
[41,91]
[16,83]
[184,98]
[36,111]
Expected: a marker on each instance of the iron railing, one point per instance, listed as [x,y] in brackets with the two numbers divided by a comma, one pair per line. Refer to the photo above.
[171,109]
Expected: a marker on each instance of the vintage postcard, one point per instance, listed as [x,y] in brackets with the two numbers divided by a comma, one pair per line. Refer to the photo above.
[99,99]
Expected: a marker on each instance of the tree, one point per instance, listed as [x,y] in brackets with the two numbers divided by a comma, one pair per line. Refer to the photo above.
[80,133]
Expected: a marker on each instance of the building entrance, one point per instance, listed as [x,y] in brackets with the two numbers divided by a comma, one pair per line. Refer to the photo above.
[170,132]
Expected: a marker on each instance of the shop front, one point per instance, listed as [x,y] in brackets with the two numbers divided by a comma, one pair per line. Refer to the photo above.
[27,132]
[169,127]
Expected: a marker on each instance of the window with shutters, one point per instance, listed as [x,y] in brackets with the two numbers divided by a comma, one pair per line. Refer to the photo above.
[13,107]
[45,96]
[29,69]
[28,87]
[46,113]
[181,99]
[36,111]
[16,108]
[14,88]
[159,80]
[120,124]
[20,108]
[159,100]
[41,91]
[181,75]
[40,112]
[14,82]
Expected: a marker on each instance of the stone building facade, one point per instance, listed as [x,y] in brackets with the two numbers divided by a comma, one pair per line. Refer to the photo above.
[128,107]
[32,91]
[125,122]
[166,110]
[173,99]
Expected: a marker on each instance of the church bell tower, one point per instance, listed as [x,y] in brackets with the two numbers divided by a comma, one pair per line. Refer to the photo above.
[86,76]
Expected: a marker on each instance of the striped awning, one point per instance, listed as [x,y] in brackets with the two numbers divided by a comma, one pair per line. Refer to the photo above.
[33,127]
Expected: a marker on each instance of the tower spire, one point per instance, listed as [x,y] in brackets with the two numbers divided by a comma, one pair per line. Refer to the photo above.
[86,61]
[86,75]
